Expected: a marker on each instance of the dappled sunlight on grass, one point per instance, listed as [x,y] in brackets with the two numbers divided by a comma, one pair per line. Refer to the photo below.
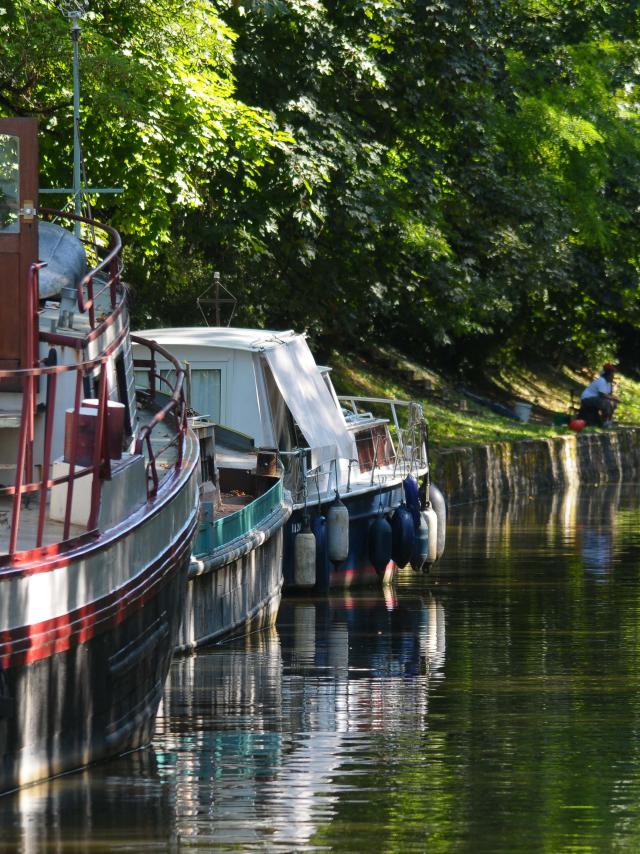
[448,427]
[454,420]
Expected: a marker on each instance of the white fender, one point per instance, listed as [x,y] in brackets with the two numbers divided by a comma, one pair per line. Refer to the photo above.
[304,558]
[430,517]
[338,532]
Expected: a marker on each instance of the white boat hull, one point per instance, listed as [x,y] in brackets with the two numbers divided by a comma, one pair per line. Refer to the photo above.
[82,673]
[237,587]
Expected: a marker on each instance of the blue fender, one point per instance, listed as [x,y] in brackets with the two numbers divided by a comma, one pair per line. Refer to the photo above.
[380,543]
[403,534]
[412,498]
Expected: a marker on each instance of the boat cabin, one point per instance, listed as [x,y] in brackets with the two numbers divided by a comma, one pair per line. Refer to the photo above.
[267,386]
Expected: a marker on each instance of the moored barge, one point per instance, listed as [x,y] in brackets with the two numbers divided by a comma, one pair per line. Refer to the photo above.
[98,492]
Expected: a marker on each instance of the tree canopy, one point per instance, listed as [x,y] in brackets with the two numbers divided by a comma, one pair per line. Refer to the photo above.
[457,177]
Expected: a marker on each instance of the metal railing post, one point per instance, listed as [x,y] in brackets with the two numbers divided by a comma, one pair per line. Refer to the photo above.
[114,280]
[22,447]
[46,457]
[75,419]
[100,455]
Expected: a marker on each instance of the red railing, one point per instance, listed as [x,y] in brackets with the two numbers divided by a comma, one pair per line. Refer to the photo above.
[107,271]
[24,485]
[174,407]
[171,407]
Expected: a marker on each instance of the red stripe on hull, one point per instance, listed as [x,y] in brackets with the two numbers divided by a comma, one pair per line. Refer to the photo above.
[50,637]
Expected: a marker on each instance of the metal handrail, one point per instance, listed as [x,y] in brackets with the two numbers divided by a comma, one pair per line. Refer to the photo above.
[390,400]
[176,406]
[24,461]
[392,403]
[24,485]
[110,265]
[386,401]
[100,466]
[411,447]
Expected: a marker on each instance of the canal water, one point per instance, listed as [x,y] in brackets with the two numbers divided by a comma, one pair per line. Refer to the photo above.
[491,707]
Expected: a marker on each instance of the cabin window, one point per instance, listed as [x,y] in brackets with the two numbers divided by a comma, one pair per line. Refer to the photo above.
[9,182]
[205,392]
[370,439]
[281,418]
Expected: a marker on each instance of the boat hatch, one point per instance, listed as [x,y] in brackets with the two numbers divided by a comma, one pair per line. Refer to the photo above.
[306,394]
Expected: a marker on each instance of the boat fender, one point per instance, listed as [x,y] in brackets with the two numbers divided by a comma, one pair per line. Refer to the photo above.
[429,515]
[420,550]
[412,498]
[380,543]
[403,533]
[439,505]
[338,531]
[323,565]
[304,557]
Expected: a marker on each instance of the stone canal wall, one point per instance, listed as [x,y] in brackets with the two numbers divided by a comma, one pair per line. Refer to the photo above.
[537,465]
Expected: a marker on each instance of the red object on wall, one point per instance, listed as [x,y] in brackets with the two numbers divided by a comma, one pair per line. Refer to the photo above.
[85,436]
[87,431]
[115,424]
[577,424]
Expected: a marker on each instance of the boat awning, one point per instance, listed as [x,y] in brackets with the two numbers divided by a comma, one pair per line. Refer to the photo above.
[308,398]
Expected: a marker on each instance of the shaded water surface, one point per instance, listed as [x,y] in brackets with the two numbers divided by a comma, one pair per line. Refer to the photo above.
[492,707]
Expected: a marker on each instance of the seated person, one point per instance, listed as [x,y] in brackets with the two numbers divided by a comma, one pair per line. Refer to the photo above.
[597,401]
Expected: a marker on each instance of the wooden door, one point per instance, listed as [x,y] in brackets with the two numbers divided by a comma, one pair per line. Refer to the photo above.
[18,239]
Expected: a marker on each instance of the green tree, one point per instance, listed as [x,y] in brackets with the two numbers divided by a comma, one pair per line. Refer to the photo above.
[159,113]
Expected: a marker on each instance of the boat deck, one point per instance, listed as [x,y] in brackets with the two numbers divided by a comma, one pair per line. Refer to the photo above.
[164,453]
[231,458]
[231,503]
[51,315]
[27,533]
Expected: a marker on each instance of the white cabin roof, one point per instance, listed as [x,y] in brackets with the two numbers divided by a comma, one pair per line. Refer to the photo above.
[294,371]
[253,340]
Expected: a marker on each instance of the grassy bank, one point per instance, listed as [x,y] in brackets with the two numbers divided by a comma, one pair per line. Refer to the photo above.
[455,419]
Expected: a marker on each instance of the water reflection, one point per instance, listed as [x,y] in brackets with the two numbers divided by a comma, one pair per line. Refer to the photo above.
[584,519]
[254,736]
[491,707]
[121,803]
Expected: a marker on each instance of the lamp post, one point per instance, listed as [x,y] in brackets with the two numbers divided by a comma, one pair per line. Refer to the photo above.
[74,10]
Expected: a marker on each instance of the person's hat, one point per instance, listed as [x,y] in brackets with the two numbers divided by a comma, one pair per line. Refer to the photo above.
[609,368]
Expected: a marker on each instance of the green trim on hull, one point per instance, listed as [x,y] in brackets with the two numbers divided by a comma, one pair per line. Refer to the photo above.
[239,524]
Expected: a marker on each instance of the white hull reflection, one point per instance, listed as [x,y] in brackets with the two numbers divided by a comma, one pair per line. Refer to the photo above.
[274,720]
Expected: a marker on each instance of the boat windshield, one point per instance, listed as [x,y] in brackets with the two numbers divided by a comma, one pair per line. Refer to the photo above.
[326,376]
